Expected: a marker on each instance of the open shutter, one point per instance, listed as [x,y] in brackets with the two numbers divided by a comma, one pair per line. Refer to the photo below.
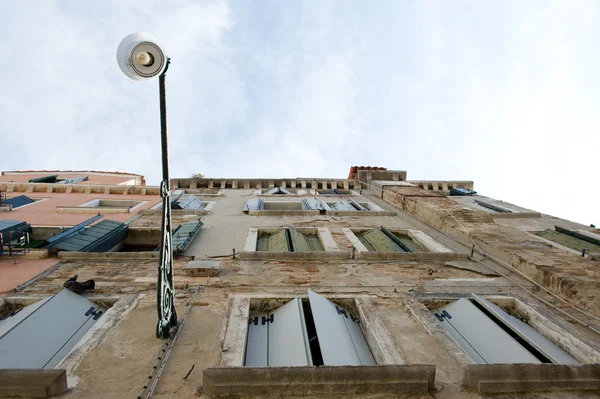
[304,242]
[493,207]
[356,205]
[258,339]
[254,204]
[191,202]
[312,204]
[342,206]
[278,338]
[340,337]
[278,190]
[288,339]
[46,335]
[377,240]
[482,339]
[528,333]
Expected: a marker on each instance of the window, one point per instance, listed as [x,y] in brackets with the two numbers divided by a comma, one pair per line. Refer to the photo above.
[281,191]
[489,334]
[103,206]
[391,242]
[460,191]
[291,243]
[350,207]
[278,191]
[55,179]
[189,202]
[576,240]
[289,240]
[185,234]
[258,206]
[64,319]
[101,237]
[19,201]
[343,333]
[335,191]
[384,240]
[347,205]
[493,207]
[112,204]
[306,333]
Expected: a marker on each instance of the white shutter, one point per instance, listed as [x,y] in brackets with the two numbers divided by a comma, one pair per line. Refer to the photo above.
[340,337]
[257,342]
[480,337]
[278,338]
[47,335]
[288,339]
[528,333]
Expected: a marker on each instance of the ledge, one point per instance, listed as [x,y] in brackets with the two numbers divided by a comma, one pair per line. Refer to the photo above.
[316,255]
[441,256]
[32,383]
[174,211]
[502,378]
[515,215]
[324,380]
[283,212]
[360,213]
[90,209]
[107,256]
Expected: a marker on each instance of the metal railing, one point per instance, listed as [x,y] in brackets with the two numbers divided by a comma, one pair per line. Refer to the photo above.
[14,243]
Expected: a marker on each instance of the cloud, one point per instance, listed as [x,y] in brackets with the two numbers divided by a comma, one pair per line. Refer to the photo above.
[505,94]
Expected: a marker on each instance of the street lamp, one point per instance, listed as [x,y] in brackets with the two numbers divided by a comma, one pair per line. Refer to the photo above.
[140,57]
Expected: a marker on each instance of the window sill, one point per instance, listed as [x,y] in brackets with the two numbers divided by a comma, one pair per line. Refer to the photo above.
[86,209]
[330,380]
[502,378]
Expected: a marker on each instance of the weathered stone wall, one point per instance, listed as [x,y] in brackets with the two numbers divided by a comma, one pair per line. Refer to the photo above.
[564,273]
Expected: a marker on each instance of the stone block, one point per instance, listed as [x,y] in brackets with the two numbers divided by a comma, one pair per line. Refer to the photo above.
[503,378]
[319,381]
[203,268]
[32,382]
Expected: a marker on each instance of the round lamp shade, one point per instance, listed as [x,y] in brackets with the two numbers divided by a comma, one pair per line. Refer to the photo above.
[141,57]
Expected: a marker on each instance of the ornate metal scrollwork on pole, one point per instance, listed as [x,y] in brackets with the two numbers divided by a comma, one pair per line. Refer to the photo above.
[165,290]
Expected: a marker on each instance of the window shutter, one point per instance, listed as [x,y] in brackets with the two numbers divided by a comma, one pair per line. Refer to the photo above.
[340,337]
[528,333]
[482,339]
[47,334]
[278,338]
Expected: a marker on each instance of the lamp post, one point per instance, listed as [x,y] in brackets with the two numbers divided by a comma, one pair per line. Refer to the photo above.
[140,57]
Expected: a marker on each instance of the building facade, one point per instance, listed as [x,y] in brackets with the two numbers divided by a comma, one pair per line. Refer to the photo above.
[371,286]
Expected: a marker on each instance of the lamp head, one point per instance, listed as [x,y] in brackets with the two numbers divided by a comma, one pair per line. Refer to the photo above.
[141,57]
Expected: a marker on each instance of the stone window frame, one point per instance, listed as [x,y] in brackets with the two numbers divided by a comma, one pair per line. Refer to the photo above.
[330,248]
[417,236]
[474,203]
[208,207]
[557,330]
[92,206]
[531,232]
[234,330]
[35,201]
[118,308]
[373,209]
[437,251]
[296,192]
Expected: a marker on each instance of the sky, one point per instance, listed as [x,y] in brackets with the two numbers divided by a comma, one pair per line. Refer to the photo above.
[504,93]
